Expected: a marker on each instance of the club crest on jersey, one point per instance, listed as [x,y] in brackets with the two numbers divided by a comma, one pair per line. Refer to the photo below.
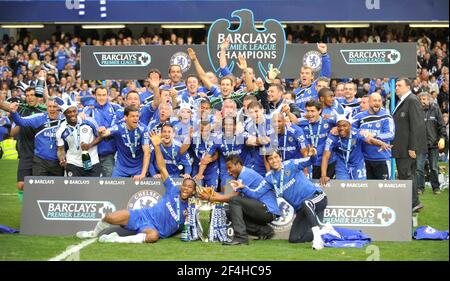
[181,59]
[291,138]
[313,59]
[283,222]
[325,126]
[378,125]
[287,173]
[143,199]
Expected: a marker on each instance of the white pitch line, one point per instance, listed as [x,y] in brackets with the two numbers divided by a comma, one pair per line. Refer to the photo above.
[8,194]
[73,249]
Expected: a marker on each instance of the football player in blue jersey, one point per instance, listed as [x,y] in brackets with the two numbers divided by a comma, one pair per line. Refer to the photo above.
[257,137]
[316,130]
[380,125]
[151,224]
[176,76]
[183,125]
[350,103]
[278,104]
[287,138]
[347,147]
[45,161]
[192,94]
[177,163]
[288,181]
[307,89]
[228,143]
[164,114]
[330,107]
[364,103]
[106,114]
[250,212]
[146,112]
[206,169]
[132,143]
[146,94]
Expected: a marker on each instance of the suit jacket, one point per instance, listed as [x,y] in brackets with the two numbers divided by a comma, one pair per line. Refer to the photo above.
[410,131]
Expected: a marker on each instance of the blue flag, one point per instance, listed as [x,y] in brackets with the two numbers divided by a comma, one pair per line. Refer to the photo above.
[429,233]
[349,239]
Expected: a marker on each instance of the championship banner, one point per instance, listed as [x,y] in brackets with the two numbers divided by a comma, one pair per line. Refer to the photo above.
[358,60]
[63,206]
[347,60]
[260,46]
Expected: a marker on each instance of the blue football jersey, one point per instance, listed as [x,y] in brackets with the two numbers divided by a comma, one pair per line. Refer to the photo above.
[316,135]
[168,214]
[255,182]
[382,126]
[291,183]
[130,154]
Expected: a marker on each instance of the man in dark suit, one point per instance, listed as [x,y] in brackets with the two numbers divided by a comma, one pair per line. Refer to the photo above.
[410,136]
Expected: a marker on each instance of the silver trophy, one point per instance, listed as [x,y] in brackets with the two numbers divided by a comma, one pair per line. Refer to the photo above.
[204,214]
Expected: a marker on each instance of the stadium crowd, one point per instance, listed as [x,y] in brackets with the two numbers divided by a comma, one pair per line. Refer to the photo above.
[341,128]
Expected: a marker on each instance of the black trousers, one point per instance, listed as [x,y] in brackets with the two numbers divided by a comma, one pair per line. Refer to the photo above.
[317,172]
[24,168]
[377,170]
[42,167]
[309,215]
[249,216]
[406,169]
[75,171]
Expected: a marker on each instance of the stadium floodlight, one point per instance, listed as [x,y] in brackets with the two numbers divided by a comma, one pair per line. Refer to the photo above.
[429,25]
[183,26]
[22,26]
[347,25]
[102,26]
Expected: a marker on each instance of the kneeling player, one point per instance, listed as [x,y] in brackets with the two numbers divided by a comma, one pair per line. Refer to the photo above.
[160,221]
[288,181]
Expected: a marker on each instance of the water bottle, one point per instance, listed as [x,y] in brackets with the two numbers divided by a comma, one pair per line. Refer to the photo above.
[86,159]
[184,231]
[40,87]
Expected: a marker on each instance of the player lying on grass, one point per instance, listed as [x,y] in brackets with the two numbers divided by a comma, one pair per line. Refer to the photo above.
[160,221]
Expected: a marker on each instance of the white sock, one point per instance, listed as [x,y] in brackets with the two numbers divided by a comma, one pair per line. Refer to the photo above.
[138,238]
[316,232]
[101,225]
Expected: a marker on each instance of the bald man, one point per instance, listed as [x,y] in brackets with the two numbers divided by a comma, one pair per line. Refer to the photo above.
[379,124]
